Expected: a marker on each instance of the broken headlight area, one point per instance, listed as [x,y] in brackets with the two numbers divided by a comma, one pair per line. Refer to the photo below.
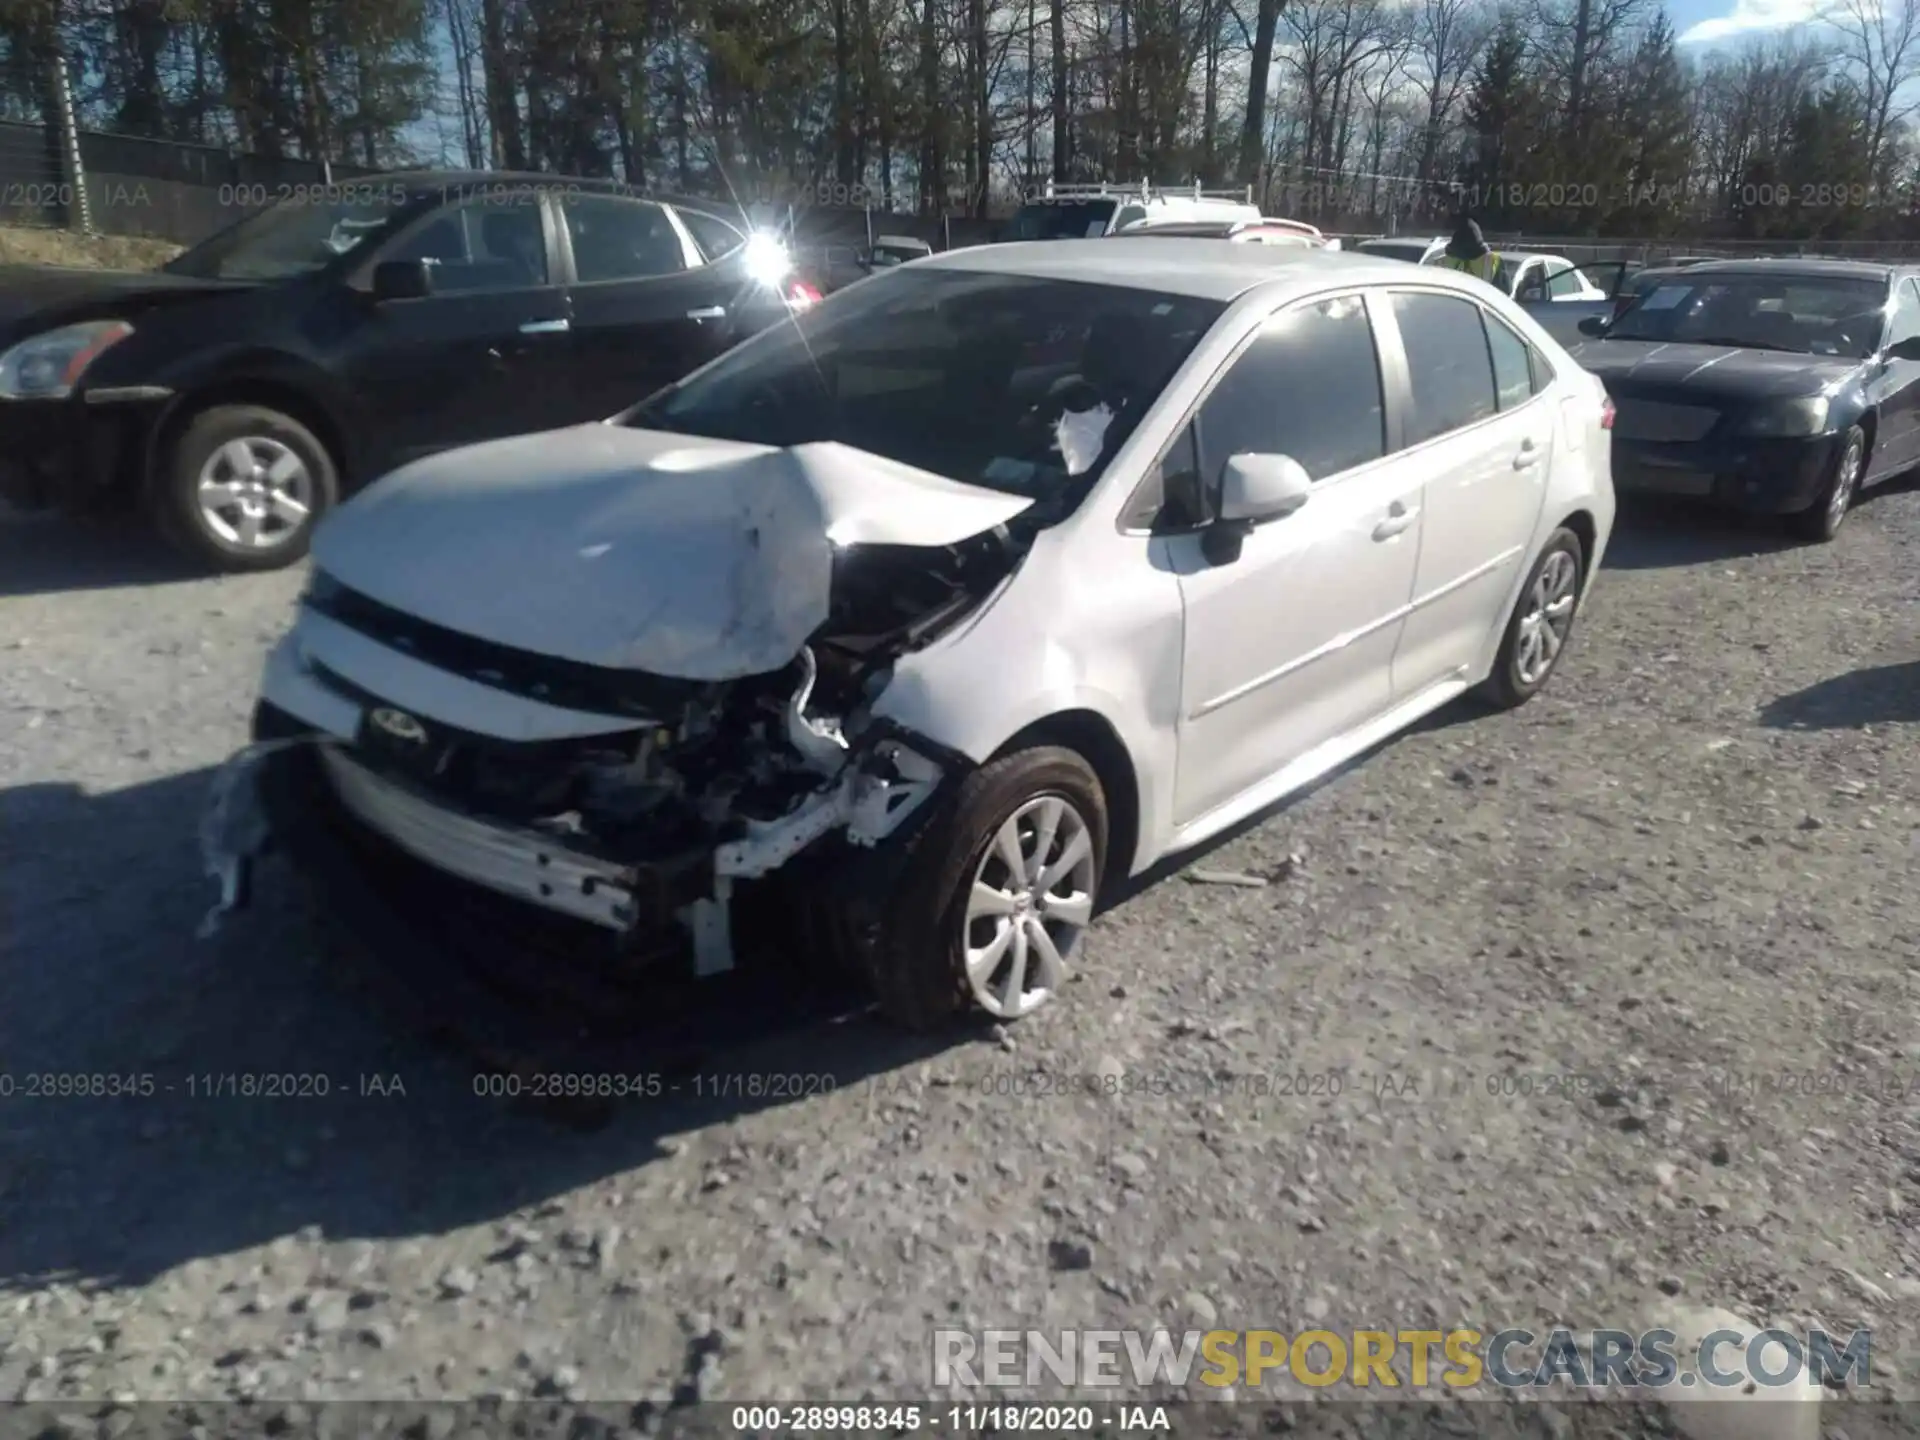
[645,840]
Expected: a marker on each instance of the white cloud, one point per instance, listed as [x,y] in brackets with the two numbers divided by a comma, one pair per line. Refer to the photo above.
[1754,17]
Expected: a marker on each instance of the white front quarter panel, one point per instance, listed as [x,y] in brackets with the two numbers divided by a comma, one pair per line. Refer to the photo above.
[1087,623]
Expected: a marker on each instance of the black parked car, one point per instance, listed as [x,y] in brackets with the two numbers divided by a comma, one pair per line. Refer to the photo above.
[1776,387]
[242,388]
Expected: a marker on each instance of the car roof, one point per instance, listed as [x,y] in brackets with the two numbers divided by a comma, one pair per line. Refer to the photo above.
[910,240]
[1174,228]
[1191,266]
[1793,265]
[424,182]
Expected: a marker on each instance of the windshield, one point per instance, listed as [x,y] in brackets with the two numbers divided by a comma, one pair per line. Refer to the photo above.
[291,238]
[1022,385]
[1062,219]
[1807,314]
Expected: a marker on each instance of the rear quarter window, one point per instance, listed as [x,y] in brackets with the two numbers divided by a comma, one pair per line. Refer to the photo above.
[1449,368]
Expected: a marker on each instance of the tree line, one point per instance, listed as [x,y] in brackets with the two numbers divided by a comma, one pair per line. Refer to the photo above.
[1552,116]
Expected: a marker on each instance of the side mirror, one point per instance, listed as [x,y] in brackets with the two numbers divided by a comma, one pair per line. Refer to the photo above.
[1254,490]
[1593,325]
[1907,349]
[402,280]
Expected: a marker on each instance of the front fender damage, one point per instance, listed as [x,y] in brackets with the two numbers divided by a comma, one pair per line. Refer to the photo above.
[876,793]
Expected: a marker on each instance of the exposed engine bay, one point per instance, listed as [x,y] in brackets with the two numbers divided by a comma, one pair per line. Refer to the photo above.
[716,782]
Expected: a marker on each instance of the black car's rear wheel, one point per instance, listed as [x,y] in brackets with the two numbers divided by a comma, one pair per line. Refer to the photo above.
[241,488]
[1822,520]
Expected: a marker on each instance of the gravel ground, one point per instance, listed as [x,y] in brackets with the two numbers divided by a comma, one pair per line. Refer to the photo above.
[1684,870]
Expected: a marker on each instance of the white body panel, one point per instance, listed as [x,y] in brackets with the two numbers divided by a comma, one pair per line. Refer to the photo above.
[1228,686]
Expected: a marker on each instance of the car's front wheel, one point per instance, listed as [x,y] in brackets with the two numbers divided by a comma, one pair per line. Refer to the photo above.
[1821,521]
[996,895]
[242,487]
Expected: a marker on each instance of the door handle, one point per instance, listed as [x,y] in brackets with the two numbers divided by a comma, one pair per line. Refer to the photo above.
[708,312]
[1399,517]
[1528,456]
[546,327]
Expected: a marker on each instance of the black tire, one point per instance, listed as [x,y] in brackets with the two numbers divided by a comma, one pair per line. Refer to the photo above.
[176,502]
[1821,521]
[1506,688]
[916,960]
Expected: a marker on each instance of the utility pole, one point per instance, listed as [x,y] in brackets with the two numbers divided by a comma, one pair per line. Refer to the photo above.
[73,175]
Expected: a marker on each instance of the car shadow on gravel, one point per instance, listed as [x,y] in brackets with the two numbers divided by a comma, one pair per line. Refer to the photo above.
[1879,695]
[52,554]
[1653,533]
[165,1098]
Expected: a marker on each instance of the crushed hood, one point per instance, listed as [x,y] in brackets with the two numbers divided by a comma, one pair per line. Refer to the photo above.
[637,549]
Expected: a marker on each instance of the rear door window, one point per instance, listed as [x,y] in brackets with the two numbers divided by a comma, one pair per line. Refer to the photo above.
[1449,368]
[714,236]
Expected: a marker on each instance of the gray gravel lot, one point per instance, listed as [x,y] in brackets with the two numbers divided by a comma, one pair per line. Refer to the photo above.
[1686,869]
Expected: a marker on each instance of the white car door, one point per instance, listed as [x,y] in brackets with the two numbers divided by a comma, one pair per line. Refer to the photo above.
[1290,642]
[1482,430]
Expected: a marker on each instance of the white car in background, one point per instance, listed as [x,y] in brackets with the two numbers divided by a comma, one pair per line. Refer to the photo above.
[1080,212]
[1411,249]
[1265,231]
[1556,292]
[943,626]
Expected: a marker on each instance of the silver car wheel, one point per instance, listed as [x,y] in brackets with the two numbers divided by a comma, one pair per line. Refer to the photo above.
[1844,484]
[1031,900]
[255,493]
[1547,619]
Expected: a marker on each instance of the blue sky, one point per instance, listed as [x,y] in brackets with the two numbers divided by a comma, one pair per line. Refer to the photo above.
[1704,23]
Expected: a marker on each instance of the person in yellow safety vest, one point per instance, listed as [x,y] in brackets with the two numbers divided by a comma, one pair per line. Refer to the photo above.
[1468,251]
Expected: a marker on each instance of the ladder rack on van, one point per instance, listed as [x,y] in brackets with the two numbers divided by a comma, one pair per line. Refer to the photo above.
[1144,190]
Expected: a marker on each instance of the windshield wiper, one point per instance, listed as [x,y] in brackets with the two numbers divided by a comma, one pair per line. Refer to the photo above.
[1732,344]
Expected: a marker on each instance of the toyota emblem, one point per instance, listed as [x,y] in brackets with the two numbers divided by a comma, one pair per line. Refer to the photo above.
[400,725]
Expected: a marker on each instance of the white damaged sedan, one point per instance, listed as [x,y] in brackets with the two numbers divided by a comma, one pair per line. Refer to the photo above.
[932,614]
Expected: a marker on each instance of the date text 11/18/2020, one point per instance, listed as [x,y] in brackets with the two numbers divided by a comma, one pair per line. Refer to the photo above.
[646,1085]
[199,1085]
[952,1419]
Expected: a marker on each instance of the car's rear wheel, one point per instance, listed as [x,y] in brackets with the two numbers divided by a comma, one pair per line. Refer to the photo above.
[1540,626]
[997,894]
[1821,521]
[242,487]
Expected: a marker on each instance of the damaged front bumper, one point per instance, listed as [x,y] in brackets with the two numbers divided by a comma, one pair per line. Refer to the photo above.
[302,790]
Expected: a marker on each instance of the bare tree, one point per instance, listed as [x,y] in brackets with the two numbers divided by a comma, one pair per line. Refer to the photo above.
[1883,47]
[1448,36]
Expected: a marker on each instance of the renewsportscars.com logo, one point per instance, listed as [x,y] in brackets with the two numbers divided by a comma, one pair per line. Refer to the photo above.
[1513,1359]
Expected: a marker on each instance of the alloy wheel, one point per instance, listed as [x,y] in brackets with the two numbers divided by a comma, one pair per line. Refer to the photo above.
[1030,901]
[1844,484]
[255,493]
[1548,617]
